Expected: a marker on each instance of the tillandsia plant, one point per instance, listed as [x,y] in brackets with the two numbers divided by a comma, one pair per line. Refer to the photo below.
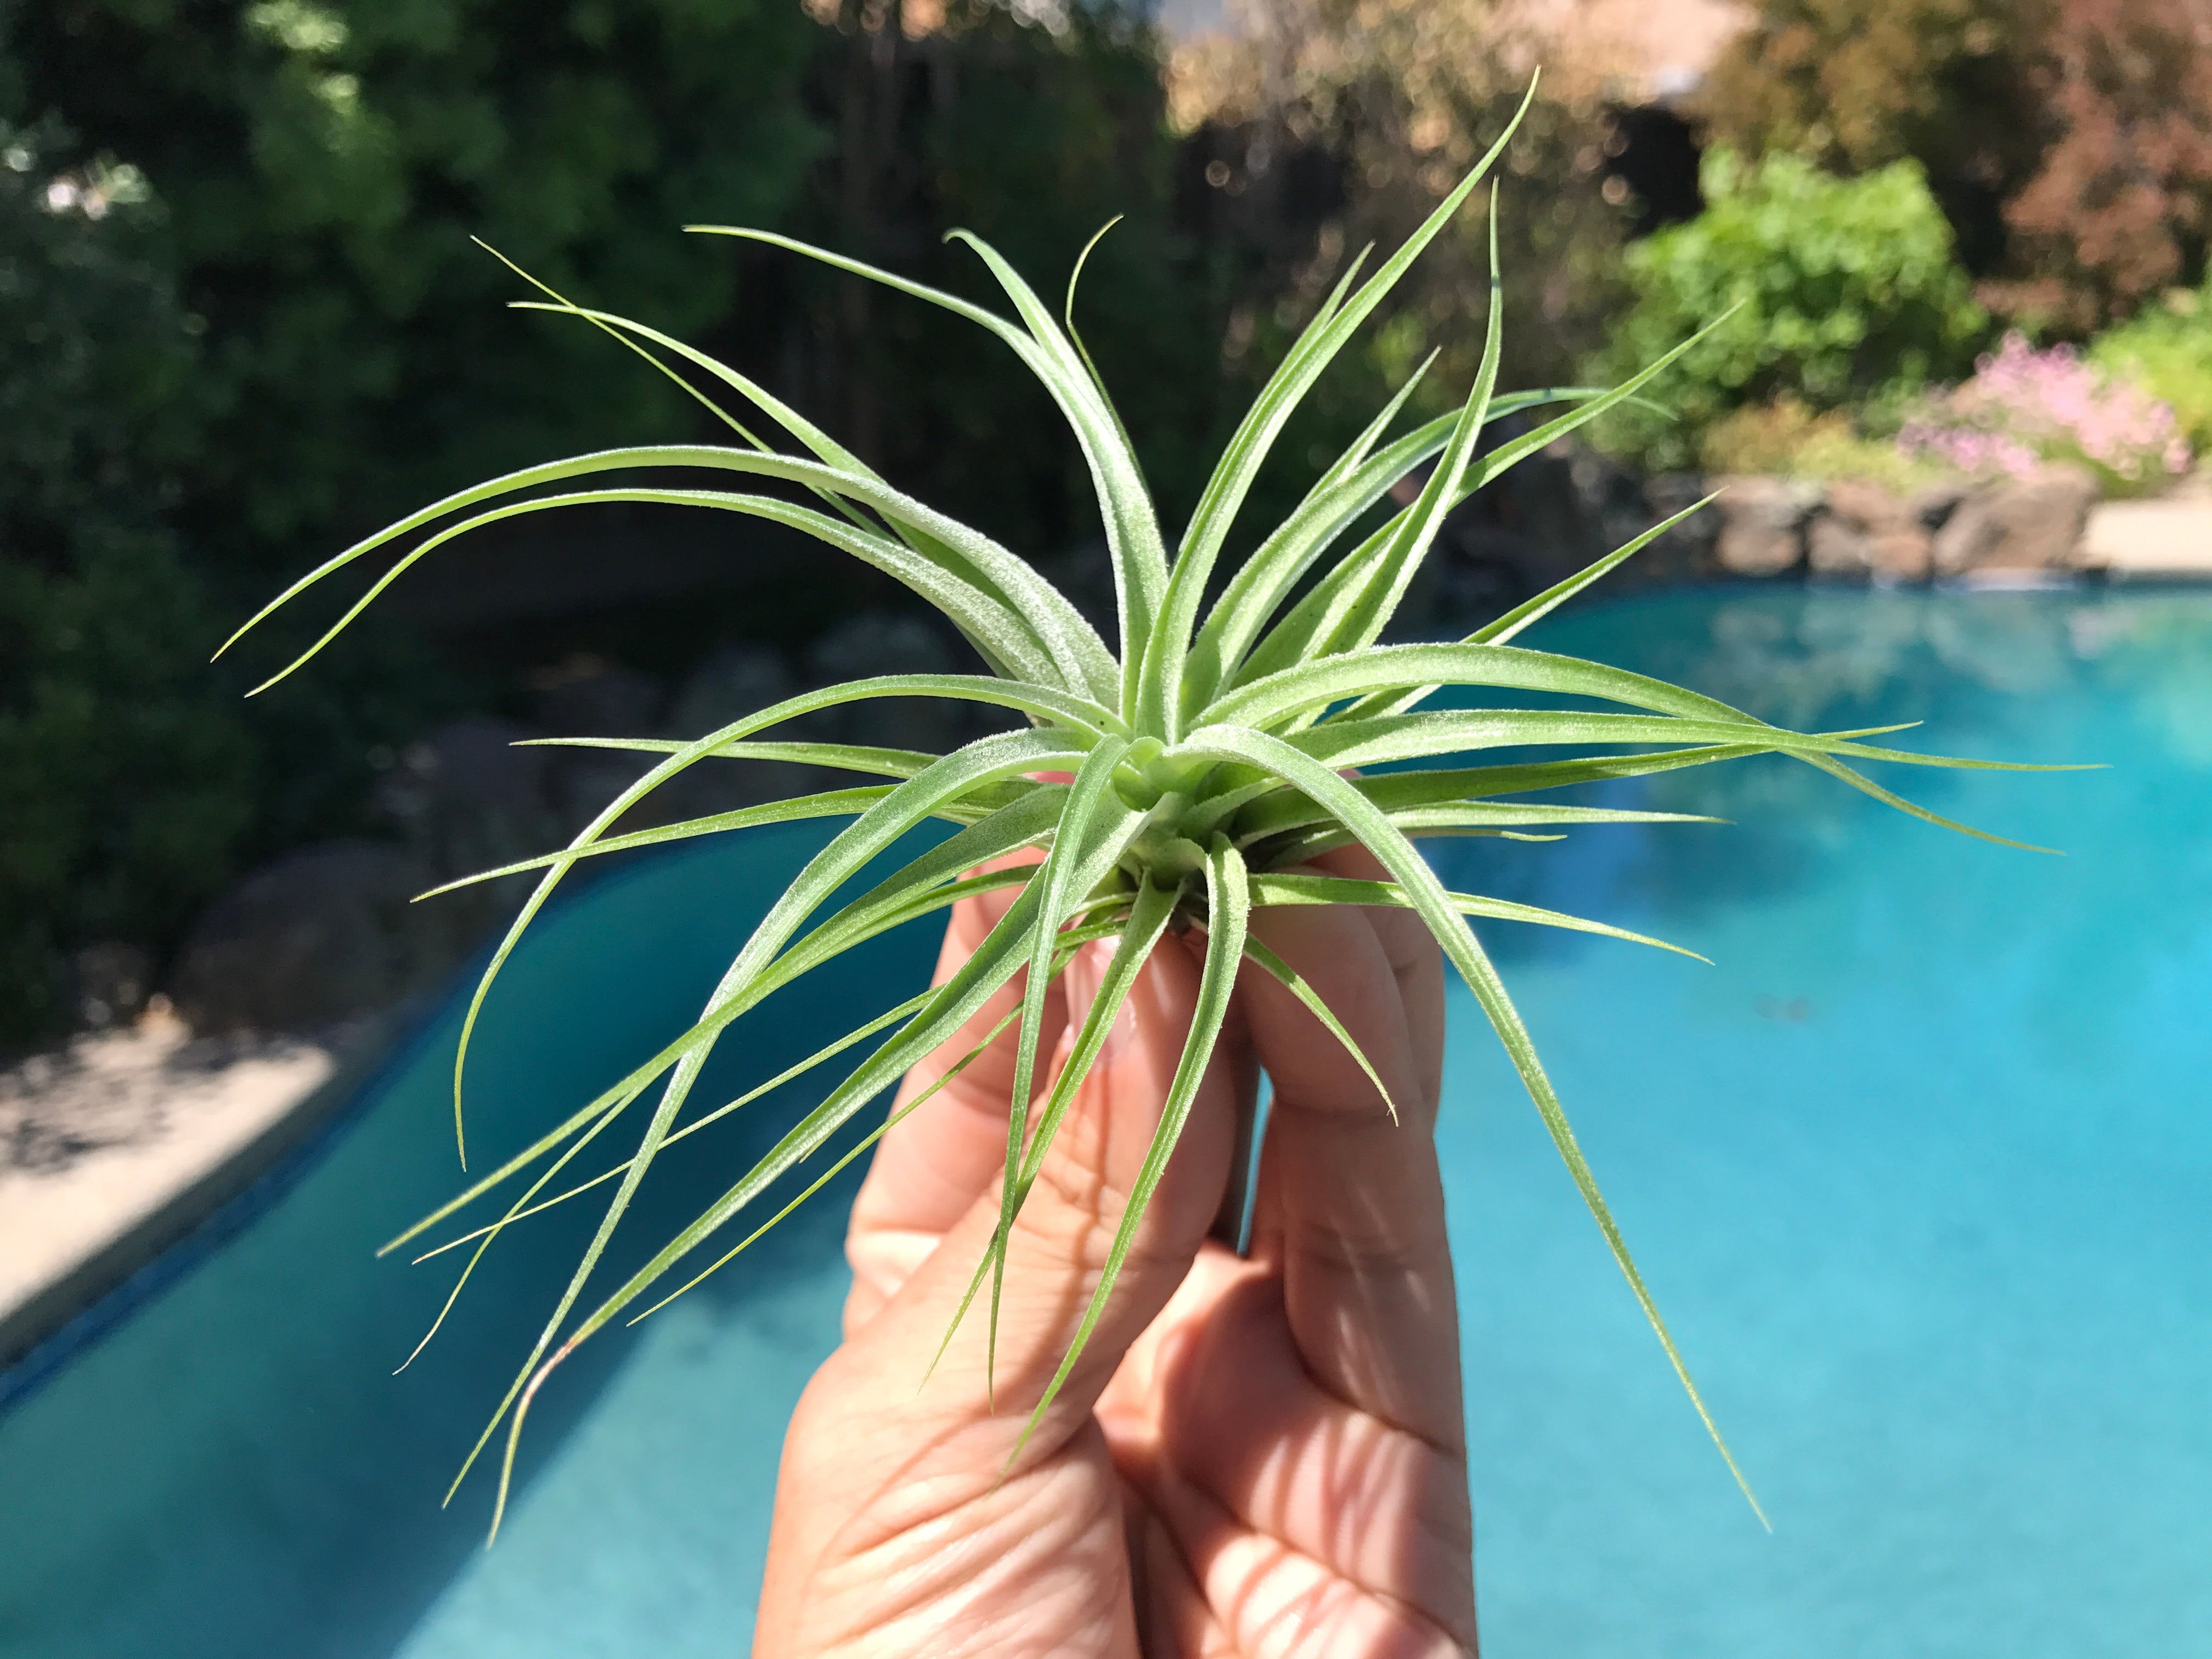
[1174,779]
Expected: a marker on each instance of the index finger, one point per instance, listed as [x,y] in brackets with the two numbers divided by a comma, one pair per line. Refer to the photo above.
[928,1167]
[1351,1205]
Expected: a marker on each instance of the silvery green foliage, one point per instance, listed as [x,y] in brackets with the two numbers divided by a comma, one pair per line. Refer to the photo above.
[1184,774]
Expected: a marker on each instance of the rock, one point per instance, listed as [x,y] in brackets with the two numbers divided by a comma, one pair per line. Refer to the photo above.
[874,642]
[1476,571]
[588,696]
[734,682]
[466,798]
[1555,512]
[1689,549]
[319,935]
[112,978]
[1763,526]
[1571,505]
[1932,505]
[879,642]
[2033,524]
[1864,532]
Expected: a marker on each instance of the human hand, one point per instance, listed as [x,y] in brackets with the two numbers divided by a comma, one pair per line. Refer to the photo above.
[1259,1456]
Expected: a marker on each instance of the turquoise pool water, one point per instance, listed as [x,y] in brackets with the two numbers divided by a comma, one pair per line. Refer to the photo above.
[1919,1170]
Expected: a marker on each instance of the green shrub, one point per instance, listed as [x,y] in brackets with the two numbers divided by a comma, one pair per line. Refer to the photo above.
[1845,291]
[1786,440]
[324,164]
[136,779]
[1851,85]
[287,335]
[2166,349]
[126,768]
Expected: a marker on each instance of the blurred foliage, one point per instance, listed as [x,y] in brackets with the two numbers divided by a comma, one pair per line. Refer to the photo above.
[125,768]
[1034,136]
[1371,111]
[326,163]
[136,780]
[299,342]
[1844,291]
[2069,141]
[1854,85]
[1787,439]
[2026,408]
[324,166]
[2166,349]
[2121,207]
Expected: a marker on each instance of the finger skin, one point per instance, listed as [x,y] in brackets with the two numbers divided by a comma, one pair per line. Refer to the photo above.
[910,1510]
[1295,1421]
[930,1168]
[1255,1457]
[1349,1203]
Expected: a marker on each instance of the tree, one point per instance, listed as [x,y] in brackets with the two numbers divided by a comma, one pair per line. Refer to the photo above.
[2121,207]
[2069,141]
[324,164]
[126,769]
[1857,84]
[1401,96]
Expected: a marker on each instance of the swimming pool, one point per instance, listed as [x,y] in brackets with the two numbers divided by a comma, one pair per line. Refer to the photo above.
[1919,1171]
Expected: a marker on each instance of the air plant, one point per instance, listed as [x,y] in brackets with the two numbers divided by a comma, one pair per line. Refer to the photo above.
[1176,779]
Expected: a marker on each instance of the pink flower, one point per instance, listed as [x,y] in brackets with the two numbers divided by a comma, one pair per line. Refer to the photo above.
[2024,407]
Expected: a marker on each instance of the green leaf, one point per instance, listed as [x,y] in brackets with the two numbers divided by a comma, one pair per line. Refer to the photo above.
[1364,446]
[1009,642]
[1092,818]
[1320,610]
[1427,896]
[953,1003]
[864,918]
[1133,535]
[1287,809]
[860,1034]
[952,563]
[837,803]
[1409,737]
[1378,598]
[1299,986]
[843,756]
[1289,887]
[1017,583]
[991,963]
[1228,908]
[1501,630]
[1494,814]
[1292,548]
[974,688]
[1256,435]
[1150,911]
[1279,697]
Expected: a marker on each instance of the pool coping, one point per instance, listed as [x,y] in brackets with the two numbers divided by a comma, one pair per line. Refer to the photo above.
[162,1243]
[156,1246]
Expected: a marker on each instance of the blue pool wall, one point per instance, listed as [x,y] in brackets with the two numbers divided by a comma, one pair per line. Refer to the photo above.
[234,1464]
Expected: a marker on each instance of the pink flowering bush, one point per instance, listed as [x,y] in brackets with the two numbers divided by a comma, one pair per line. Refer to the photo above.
[2025,407]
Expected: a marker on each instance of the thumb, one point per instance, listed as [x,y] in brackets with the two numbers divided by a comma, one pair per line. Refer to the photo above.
[1059,1242]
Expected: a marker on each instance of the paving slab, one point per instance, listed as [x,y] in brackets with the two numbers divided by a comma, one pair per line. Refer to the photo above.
[115,1147]
[2137,539]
